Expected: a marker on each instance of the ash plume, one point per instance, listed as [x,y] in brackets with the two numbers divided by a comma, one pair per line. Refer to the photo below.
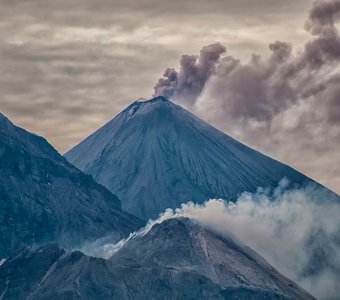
[189,81]
[261,88]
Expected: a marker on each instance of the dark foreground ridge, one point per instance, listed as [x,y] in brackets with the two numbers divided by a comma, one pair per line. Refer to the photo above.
[176,259]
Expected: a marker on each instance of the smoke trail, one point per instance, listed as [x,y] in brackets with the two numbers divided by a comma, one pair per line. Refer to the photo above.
[296,230]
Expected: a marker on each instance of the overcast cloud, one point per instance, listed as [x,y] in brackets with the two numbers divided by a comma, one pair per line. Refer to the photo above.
[69,66]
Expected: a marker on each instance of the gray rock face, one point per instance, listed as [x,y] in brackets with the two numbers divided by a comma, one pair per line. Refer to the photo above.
[44,198]
[156,155]
[176,259]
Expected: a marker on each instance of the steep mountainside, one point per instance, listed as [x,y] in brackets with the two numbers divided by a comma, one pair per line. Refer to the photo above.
[44,198]
[155,155]
[177,259]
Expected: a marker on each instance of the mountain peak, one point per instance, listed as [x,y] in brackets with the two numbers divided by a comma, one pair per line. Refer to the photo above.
[145,106]
[143,102]
[153,100]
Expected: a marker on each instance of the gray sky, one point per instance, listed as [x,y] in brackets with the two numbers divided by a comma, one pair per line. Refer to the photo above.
[67,67]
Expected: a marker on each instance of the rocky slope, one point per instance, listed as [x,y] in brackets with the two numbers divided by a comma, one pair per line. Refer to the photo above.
[44,198]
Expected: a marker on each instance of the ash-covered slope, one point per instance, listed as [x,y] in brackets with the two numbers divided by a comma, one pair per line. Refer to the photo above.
[176,259]
[156,155]
[44,198]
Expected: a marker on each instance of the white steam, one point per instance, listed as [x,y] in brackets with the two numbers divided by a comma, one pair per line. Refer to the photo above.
[296,230]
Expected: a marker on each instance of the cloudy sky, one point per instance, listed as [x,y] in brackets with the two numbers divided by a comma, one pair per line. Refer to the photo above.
[67,67]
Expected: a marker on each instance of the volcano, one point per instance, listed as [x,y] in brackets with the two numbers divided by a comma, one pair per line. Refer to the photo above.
[156,155]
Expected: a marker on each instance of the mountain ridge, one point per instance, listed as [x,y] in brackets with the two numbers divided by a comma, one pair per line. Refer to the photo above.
[44,198]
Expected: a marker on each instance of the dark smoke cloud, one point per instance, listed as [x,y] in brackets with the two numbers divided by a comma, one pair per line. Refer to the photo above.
[194,72]
[263,88]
